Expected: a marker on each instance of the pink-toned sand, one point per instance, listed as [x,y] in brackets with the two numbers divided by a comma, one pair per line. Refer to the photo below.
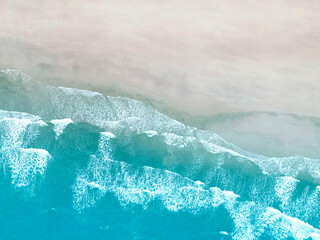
[200,56]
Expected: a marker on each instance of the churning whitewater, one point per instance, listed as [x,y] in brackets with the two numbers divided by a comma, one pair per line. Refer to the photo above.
[79,165]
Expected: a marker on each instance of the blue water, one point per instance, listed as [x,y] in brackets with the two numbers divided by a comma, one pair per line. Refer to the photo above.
[76,164]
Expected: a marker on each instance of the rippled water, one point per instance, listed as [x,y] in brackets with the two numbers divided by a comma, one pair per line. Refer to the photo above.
[79,165]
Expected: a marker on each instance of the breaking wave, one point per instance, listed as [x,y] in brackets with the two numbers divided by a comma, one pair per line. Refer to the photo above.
[76,164]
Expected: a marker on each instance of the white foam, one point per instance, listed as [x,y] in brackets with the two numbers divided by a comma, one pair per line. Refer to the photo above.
[17,74]
[79,105]
[26,164]
[284,189]
[108,134]
[60,125]
[12,131]
[105,148]
[41,123]
[252,221]
[151,133]
[141,186]
[306,205]
[176,140]
[129,117]
[94,185]
[199,183]
[285,226]
[18,115]
[82,92]
[291,166]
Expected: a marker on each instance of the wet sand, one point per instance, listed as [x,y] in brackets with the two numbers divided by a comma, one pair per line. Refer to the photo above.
[202,57]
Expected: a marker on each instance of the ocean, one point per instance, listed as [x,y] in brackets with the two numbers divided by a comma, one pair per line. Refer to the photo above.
[76,164]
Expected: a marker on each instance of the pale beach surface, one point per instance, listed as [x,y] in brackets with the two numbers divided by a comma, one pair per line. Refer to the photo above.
[199,57]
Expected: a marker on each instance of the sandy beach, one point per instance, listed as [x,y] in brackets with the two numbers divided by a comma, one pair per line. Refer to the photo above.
[199,57]
[202,119]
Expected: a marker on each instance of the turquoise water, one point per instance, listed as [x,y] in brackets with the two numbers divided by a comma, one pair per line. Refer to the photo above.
[79,165]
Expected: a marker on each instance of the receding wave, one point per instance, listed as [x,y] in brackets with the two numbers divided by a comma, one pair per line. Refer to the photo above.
[115,168]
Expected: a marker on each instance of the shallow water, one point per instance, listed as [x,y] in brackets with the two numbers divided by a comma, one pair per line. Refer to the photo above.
[79,165]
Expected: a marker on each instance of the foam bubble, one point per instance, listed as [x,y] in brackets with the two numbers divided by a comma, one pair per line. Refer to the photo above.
[177,140]
[82,92]
[284,189]
[25,165]
[60,125]
[151,133]
[13,131]
[143,185]
[108,134]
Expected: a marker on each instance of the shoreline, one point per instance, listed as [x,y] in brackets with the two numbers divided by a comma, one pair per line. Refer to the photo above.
[99,82]
[202,58]
[266,133]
